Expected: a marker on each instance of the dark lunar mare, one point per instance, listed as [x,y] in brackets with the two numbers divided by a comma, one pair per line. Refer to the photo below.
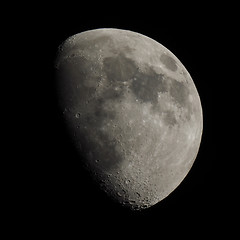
[96,72]
[169,62]
[145,85]
[118,69]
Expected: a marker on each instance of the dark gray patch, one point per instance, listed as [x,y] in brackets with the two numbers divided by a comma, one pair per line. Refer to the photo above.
[169,118]
[169,62]
[119,68]
[97,144]
[144,85]
[122,49]
[101,114]
[101,148]
[113,93]
[104,114]
[147,86]
[179,92]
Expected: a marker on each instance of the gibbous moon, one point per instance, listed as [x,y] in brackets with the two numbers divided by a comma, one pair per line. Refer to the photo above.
[132,111]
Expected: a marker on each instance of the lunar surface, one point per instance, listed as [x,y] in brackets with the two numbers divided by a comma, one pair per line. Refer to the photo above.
[132,111]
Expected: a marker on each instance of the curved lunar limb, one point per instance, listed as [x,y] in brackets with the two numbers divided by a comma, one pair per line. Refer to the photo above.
[132,111]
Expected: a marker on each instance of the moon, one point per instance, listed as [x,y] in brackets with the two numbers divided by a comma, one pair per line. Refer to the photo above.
[132,111]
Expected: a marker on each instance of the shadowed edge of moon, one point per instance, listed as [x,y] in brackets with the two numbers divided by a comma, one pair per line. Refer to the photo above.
[145,86]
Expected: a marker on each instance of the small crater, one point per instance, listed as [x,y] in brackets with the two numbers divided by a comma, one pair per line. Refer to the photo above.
[77,115]
[119,194]
[127,181]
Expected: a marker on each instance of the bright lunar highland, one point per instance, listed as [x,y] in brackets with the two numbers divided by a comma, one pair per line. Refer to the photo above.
[132,111]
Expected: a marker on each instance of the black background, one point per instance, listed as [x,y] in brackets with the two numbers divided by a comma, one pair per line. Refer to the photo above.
[58,197]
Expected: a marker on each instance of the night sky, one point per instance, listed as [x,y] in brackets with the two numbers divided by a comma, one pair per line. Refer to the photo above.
[62,194]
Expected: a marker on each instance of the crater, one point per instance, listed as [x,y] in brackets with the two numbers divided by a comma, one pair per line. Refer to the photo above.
[168,62]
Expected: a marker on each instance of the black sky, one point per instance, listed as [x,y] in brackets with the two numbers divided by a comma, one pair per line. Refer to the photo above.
[63,195]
